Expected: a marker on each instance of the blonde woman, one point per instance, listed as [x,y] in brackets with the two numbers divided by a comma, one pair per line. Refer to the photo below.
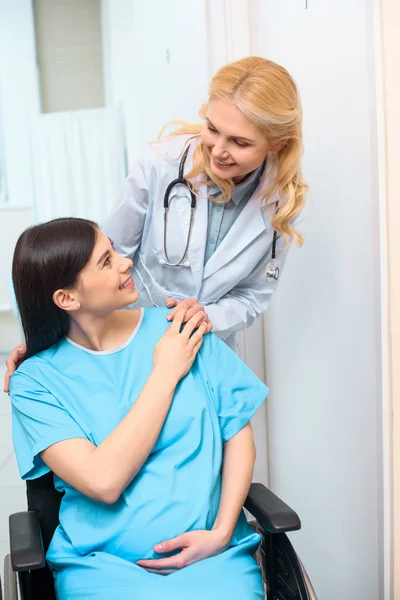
[244,167]
[241,183]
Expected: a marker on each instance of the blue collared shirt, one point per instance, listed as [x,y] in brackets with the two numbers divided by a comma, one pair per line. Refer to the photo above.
[221,217]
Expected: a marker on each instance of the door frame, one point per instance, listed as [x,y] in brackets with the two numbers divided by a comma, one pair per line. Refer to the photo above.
[387,57]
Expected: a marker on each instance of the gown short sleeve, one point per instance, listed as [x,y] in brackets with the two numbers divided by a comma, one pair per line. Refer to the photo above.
[236,390]
[38,421]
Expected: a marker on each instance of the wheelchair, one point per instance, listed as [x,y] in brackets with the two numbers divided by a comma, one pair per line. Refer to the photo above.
[27,577]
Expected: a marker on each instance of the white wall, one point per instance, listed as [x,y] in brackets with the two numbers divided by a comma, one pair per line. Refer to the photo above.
[322,331]
[69,50]
[20,95]
[157,64]
[12,224]
[20,98]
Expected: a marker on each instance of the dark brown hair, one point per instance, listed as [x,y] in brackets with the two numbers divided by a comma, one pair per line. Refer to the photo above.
[49,257]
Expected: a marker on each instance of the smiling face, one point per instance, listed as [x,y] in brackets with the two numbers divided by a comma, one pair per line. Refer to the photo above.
[236,146]
[104,285]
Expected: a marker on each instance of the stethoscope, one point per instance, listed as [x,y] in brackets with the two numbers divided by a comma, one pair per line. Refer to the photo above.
[272,271]
[180,181]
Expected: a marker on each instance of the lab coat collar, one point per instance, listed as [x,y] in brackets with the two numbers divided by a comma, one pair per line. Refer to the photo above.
[243,190]
[172,150]
[249,225]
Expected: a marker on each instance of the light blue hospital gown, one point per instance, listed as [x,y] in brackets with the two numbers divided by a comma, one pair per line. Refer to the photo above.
[71,392]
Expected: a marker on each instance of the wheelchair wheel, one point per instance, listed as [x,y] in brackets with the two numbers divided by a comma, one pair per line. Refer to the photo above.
[10,581]
[283,573]
[292,581]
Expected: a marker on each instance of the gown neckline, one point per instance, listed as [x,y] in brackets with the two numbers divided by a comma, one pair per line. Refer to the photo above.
[114,350]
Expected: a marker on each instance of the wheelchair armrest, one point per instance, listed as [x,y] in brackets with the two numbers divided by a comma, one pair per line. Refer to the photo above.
[270,511]
[26,546]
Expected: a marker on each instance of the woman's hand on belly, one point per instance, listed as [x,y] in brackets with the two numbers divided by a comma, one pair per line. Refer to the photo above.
[194,546]
[192,307]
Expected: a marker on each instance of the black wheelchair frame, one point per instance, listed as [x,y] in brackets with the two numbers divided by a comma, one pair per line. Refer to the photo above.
[27,577]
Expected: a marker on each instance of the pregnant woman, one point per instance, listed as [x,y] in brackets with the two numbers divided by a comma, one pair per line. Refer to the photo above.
[146,429]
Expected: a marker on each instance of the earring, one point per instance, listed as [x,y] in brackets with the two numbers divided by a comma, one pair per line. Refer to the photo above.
[78,305]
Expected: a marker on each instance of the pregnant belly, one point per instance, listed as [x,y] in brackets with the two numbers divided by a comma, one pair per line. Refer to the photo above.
[160,512]
[154,508]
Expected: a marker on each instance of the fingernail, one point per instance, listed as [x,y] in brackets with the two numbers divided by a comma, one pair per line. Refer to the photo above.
[169,317]
[158,547]
[169,303]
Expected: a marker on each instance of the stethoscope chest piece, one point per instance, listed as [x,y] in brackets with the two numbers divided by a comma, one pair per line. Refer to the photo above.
[272,271]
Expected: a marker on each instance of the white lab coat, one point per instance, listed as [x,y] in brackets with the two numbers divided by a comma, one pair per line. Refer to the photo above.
[232,283]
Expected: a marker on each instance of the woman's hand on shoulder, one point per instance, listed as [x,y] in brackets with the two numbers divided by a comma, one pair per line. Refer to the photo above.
[12,363]
[191,306]
[174,354]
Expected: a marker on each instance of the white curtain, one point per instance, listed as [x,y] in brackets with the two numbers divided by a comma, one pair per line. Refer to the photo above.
[78,161]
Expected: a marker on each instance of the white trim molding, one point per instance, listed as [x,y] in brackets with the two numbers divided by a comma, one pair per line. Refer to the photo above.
[387,49]
[387,404]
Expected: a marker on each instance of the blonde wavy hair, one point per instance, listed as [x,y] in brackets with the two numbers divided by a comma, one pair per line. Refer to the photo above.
[267,95]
